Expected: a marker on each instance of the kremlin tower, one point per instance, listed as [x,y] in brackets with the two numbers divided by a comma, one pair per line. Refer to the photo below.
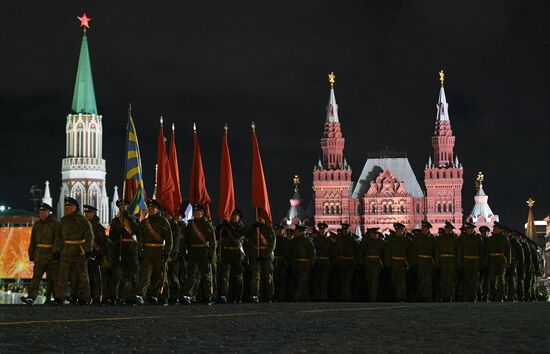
[443,178]
[83,168]
[332,175]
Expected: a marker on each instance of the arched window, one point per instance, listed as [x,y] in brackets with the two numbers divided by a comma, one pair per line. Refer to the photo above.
[417,207]
[326,210]
[390,208]
[439,208]
[385,208]
[338,209]
[332,209]
[444,208]
[450,208]
[402,209]
[373,208]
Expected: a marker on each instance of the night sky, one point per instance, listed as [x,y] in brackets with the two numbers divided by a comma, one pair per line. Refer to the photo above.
[238,61]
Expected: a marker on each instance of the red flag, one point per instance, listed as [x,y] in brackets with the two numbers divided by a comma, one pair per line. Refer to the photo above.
[226,204]
[197,190]
[260,199]
[174,170]
[165,184]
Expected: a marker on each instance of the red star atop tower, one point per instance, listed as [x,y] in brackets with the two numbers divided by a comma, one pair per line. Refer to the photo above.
[84,21]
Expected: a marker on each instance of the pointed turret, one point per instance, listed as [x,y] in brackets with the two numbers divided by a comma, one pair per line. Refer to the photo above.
[84,95]
[481,214]
[443,141]
[332,107]
[296,214]
[47,198]
[114,208]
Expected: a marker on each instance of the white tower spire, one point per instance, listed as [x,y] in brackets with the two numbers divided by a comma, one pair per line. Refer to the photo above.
[47,198]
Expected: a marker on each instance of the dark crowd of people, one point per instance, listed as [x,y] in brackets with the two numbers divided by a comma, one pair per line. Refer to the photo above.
[164,260]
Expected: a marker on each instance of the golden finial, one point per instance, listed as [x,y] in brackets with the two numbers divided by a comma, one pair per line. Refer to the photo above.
[479,179]
[331,78]
[173,127]
[194,127]
[530,202]
[442,77]
[296,181]
[226,127]
[161,120]
[253,125]
[129,107]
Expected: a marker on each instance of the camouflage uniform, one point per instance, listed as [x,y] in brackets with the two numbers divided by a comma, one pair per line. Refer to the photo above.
[371,257]
[41,252]
[261,282]
[422,258]
[302,257]
[447,259]
[497,252]
[471,250]
[516,265]
[347,251]
[325,258]
[281,268]
[75,246]
[201,253]
[231,256]
[124,258]
[397,260]
[99,253]
[155,245]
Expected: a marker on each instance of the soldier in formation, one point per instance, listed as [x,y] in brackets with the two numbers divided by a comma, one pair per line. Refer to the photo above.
[164,260]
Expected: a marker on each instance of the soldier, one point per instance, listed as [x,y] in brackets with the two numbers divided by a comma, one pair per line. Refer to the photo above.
[41,251]
[201,253]
[124,259]
[172,287]
[155,245]
[281,263]
[182,259]
[471,249]
[397,260]
[347,251]
[530,285]
[231,256]
[260,244]
[422,258]
[325,257]
[497,252]
[302,257]
[447,259]
[516,264]
[99,253]
[371,254]
[484,271]
[75,246]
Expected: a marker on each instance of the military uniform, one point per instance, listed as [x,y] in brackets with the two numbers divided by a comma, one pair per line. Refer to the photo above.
[182,259]
[172,286]
[261,268]
[155,246]
[371,255]
[447,259]
[75,246]
[516,264]
[201,251]
[397,259]
[231,256]
[497,252]
[124,258]
[347,252]
[423,260]
[471,250]
[325,258]
[302,258]
[281,267]
[41,252]
[95,263]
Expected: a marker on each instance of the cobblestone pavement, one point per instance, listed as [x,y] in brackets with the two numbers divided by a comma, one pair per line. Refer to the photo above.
[283,327]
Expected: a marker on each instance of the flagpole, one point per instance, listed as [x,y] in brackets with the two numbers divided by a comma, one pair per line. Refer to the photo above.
[257,211]
[121,217]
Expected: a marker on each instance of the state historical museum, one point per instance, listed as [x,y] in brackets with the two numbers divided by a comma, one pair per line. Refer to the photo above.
[388,190]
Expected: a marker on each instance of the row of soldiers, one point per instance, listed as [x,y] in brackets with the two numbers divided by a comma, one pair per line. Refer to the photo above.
[165,260]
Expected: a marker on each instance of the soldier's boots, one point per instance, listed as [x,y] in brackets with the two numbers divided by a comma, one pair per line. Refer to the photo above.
[27,300]
[255,299]
[222,300]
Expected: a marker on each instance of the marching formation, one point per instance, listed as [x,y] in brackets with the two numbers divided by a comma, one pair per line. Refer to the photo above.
[163,260]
